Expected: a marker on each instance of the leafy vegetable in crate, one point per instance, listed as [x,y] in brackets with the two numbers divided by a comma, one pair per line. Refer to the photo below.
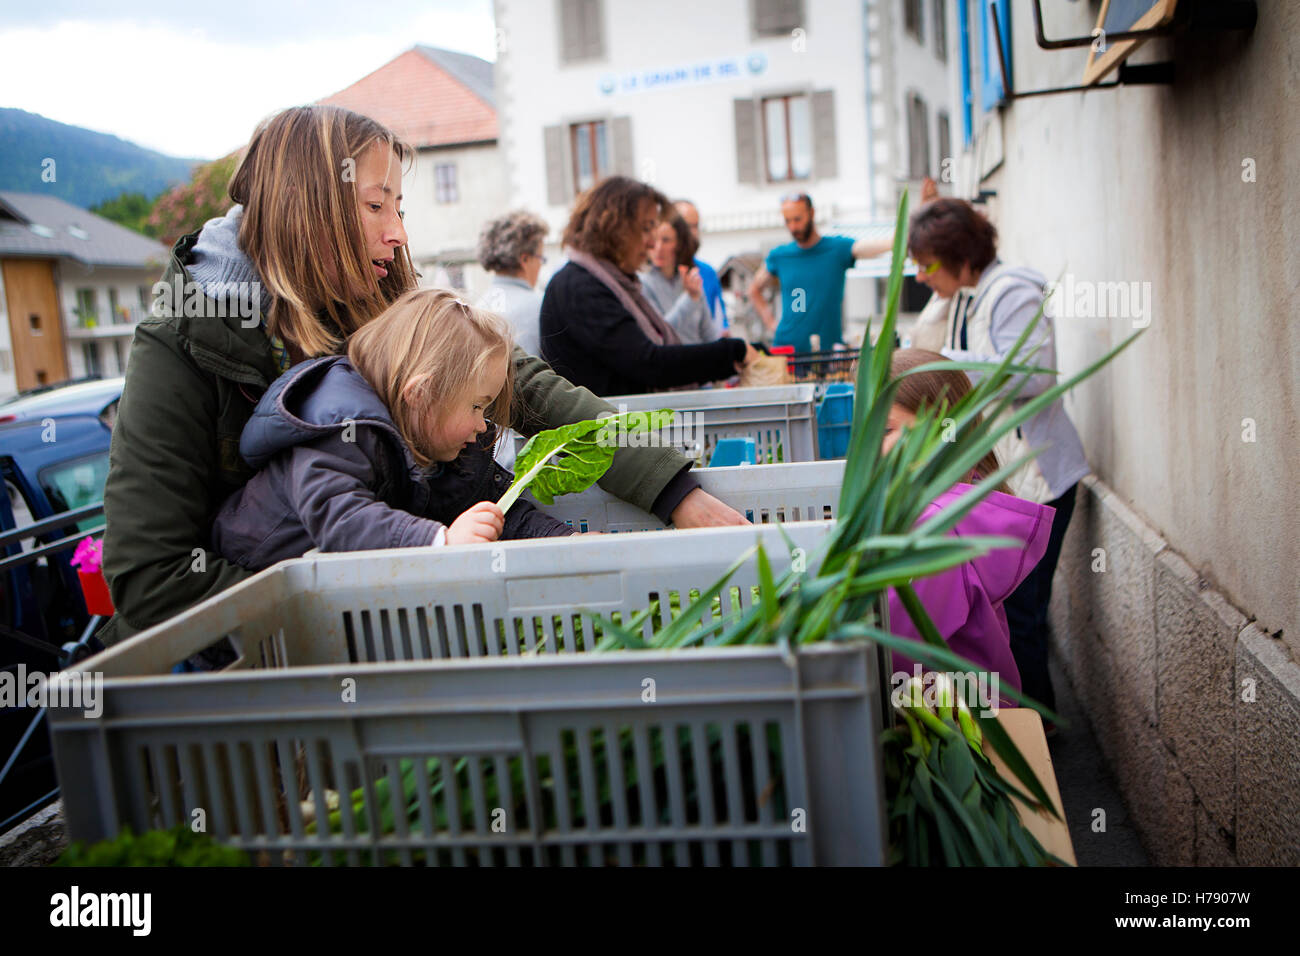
[947,805]
[179,846]
[569,459]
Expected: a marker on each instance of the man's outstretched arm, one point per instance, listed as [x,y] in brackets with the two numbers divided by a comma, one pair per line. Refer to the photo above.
[763,280]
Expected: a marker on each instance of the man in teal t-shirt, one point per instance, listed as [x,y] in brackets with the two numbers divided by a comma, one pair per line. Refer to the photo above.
[810,273]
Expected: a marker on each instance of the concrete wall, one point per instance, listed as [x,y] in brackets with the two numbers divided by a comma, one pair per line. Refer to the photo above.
[1146,185]
[1179,571]
[1195,707]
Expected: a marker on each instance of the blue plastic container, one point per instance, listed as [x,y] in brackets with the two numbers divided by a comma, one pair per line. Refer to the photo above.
[835,421]
[734,451]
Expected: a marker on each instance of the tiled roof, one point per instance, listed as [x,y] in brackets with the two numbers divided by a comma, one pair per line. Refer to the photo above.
[36,225]
[428,97]
[471,71]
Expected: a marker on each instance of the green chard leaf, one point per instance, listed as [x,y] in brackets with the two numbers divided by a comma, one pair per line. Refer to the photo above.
[572,458]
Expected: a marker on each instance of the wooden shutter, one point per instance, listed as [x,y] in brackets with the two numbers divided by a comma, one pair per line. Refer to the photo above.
[945,139]
[622,159]
[776,17]
[918,137]
[557,180]
[825,154]
[746,141]
[582,30]
[570,31]
[593,29]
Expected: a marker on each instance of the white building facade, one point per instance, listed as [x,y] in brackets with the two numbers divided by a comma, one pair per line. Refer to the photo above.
[731,104]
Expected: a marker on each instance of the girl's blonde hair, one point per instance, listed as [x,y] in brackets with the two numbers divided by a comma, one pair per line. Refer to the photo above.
[423,353]
[929,389]
[302,228]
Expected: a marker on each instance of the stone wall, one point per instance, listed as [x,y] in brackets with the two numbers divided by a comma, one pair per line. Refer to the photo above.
[1196,709]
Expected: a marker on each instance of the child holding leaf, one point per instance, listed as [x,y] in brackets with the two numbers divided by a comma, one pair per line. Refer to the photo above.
[387,446]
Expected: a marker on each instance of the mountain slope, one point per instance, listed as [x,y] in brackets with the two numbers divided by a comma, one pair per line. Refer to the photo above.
[88,168]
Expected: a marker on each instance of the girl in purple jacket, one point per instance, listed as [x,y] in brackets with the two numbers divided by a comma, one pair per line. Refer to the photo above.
[965,602]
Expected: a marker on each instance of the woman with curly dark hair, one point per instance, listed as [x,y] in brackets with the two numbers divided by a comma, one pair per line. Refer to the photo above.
[597,327]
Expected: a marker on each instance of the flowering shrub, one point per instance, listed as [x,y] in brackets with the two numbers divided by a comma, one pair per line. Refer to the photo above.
[185,208]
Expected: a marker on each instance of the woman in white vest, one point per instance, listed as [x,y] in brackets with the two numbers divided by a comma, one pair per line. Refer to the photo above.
[979,309]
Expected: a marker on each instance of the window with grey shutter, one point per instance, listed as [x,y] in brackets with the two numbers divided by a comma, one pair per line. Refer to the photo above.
[941,30]
[582,30]
[787,137]
[746,141]
[557,178]
[769,18]
[624,161]
[445,188]
[825,157]
[914,19]
[918,138]
[589,147]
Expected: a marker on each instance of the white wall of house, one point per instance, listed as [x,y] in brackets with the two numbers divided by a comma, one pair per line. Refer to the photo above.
[442,232]
[683,132]
[902,63]
[8,379]
[104,349]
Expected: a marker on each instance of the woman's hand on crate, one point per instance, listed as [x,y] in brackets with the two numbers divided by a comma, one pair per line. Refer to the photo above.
[699,509]
[479,523]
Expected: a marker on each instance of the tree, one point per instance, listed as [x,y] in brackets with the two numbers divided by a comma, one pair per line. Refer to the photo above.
[185,208]
[129,209]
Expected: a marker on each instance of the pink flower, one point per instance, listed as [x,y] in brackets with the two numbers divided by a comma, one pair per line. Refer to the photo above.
[89,555]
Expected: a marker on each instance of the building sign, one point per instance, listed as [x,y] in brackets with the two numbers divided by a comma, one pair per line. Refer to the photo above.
[691,74]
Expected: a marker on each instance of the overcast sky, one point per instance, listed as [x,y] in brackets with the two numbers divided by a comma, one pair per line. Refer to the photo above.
[193,80]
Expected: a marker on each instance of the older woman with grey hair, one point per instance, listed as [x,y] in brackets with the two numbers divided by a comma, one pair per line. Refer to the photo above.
[510,247]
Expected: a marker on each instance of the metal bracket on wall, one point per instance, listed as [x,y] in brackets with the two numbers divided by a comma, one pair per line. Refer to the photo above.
[1216,15]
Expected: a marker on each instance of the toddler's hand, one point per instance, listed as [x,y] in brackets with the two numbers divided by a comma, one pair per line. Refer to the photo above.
[482,522]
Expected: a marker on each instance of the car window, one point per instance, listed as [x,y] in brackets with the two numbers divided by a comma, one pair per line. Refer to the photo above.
[74,484]
[109,415]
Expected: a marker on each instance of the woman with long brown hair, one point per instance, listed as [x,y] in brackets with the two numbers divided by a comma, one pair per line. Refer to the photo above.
[312,250]
[598,329]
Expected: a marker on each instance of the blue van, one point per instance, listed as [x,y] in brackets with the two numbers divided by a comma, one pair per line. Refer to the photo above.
[49,465]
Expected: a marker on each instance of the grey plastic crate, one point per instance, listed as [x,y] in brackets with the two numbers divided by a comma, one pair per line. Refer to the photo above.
[782,420]
[806,491]
[766,757]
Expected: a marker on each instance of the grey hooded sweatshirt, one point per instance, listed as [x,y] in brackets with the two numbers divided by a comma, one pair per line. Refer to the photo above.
[335,474]
[994,314]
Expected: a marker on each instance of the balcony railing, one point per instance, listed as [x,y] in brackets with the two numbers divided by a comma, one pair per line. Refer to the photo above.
[97,324]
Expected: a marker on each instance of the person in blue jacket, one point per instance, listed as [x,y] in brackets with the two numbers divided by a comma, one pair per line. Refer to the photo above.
[708,275]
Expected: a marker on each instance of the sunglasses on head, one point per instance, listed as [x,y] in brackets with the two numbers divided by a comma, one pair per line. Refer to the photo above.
[797,197]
